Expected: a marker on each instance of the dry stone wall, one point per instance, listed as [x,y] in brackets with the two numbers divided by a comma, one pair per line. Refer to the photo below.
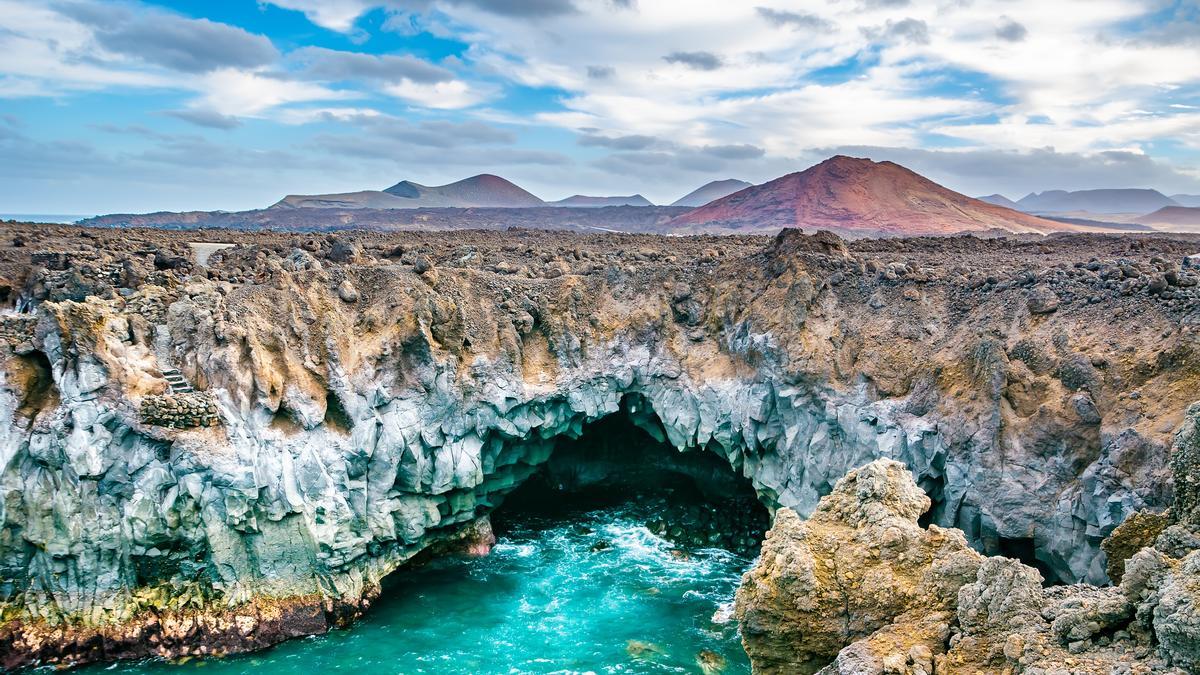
[180,411]
[17,329]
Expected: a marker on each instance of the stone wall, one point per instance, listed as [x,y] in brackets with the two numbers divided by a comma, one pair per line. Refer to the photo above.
[180,411]
[17,329]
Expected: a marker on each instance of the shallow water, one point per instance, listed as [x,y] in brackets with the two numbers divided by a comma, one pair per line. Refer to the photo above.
[543,602]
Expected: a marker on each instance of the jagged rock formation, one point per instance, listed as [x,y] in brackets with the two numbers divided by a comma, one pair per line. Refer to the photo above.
[861,588]
[378,394]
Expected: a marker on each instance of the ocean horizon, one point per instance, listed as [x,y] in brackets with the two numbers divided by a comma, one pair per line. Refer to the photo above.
[58,218]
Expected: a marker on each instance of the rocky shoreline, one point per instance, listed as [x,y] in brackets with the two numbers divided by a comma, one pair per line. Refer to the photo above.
[861,587]
[376,393]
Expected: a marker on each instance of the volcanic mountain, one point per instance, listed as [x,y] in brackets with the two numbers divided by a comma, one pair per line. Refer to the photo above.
[1175,216]
[710,191]
[1186,200]
[584,201]
[857,197]
[482,190]
[999,200]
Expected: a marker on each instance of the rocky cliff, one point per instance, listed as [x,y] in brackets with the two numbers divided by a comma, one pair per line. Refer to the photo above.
[861,587]
[377,395]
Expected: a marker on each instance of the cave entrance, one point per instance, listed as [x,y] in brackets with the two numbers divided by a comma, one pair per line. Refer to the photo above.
[617,552]
[694,499]
[1025,550]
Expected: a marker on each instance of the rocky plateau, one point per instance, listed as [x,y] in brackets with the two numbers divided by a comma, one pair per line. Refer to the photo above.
[212,458]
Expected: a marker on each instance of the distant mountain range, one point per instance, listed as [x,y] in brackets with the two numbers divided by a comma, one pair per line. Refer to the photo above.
[482,190]
[852,197]
[710,191]
[1000,200]
[1104,207]
[1104,202]
[858,197]
[1128,200]
[596,202]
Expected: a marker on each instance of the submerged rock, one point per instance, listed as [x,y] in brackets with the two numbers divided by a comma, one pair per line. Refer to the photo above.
[710,662]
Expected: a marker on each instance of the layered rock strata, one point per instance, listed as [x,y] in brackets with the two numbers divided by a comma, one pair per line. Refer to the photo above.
[378,393]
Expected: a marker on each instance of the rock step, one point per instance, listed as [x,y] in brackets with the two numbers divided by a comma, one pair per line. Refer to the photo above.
[176,381]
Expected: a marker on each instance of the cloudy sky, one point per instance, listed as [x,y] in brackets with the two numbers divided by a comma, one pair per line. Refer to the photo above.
[189,104]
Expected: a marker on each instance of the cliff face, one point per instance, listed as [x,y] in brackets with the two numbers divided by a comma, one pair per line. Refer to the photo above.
[861,587]
[379,395]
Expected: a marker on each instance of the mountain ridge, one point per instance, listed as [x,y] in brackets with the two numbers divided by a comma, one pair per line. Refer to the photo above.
[1179,216]
[587,201]
[482,190]
[1103,200]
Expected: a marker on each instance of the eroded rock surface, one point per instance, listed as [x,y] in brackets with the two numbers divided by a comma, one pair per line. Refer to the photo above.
[861,587]
[377,393]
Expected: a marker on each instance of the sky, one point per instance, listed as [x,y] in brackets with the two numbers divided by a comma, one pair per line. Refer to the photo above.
[137,106]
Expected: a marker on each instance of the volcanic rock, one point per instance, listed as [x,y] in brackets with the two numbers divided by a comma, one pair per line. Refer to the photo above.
[352,437]
[860,587]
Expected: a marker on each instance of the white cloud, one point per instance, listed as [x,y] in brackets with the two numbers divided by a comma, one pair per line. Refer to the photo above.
[1099,89]
[802,78]
[336,15]
[42,55]
[238,92]
[323,114]
[449,95]
[48,53]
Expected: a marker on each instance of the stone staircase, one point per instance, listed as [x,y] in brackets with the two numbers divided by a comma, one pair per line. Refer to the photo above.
[177,382]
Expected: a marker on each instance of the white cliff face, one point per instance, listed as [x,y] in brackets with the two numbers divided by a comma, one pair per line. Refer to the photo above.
[356,433]
[299,506]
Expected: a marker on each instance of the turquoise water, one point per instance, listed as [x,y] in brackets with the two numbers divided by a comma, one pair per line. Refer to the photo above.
[595,593]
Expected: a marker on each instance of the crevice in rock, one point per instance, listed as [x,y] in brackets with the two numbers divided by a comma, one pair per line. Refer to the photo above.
[284,421]
[336,417]
[1024,549]
[35,381]
[934,488]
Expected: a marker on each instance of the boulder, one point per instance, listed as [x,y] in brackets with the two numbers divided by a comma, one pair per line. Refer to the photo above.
[1042,300]
[861,587]
[856,565]
[347,292]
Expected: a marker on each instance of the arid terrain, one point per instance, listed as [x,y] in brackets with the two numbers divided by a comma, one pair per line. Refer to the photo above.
[301,414]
